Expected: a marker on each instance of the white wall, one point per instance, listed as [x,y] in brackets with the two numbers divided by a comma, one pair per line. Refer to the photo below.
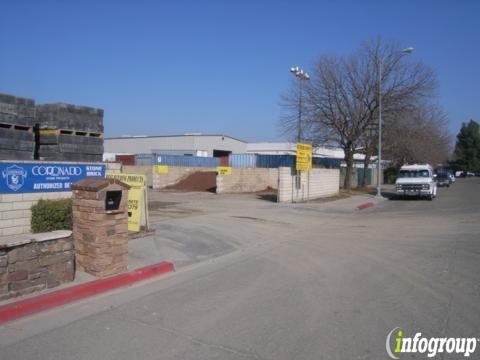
[185,143]
[15,213]
[316,183]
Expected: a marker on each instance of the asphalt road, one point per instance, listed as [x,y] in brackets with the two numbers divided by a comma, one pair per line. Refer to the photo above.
[301,281]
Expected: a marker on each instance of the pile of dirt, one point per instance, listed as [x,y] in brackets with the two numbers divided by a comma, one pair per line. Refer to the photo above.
[197,181]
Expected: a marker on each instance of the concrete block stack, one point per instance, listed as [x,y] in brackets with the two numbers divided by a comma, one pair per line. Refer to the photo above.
[100,236]
[70,132]
[17,119]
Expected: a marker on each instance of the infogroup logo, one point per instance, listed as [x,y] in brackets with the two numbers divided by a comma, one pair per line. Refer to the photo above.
[397,343]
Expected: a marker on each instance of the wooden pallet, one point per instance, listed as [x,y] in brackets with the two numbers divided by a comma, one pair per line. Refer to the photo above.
[16,127]
[56,132]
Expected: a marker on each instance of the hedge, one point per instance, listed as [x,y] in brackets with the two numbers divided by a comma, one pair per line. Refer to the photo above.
[49,215]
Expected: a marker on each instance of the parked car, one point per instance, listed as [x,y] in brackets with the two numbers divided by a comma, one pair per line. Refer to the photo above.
[443,179]
[452,178]
[416,180]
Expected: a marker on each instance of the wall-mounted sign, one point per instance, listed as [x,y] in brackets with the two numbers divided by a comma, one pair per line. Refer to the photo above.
[44,177]
[160,169]
[224,170]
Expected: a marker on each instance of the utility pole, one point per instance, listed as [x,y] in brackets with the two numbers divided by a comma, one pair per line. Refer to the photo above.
[406,51]
[301,76]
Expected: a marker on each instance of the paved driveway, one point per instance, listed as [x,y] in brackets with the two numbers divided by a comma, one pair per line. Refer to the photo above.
[260,280]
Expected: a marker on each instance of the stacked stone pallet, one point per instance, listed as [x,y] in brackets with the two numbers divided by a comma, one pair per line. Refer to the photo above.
[100,236]
[17,119]
[70,132]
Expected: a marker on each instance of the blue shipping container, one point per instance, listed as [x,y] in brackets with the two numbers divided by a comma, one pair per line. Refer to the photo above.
[275,161]
[144,159]
[326,162]
[187,161]
[242,160]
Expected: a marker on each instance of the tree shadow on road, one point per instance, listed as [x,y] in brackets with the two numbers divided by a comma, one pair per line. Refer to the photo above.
[268,197]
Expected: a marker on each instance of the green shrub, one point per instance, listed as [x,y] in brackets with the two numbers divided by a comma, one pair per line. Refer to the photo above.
[49,215]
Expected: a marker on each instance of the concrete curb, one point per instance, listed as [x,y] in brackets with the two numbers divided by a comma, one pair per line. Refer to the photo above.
[365,205]
[18,309]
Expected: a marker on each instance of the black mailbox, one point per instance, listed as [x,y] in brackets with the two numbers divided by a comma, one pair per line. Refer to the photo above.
[112,200]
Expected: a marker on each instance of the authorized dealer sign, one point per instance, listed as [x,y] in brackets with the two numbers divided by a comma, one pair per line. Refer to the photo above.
[44,177]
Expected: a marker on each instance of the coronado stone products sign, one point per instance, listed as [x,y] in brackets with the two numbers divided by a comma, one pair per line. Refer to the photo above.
[44,177]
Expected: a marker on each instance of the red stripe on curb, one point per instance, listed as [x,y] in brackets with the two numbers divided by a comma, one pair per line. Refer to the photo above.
[365,205]
[18,309]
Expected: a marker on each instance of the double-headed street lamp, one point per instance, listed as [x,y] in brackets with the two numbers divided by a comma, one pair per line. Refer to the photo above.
[406,51]
[302,76]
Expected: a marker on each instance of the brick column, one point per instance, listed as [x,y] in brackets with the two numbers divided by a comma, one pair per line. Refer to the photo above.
[100,236]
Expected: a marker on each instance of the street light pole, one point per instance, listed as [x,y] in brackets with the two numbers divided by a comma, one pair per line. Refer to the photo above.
[408,50]
[379,157]
[301,76]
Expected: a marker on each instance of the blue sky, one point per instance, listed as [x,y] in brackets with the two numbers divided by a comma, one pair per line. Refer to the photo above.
[171,67]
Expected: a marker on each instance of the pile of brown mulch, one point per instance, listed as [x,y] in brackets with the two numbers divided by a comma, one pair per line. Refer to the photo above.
[198,181]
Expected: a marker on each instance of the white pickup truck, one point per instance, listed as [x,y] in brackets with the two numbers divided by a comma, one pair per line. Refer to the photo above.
[416,180]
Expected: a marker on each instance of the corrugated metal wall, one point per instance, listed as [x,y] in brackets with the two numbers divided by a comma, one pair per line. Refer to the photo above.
[145,159]
[361,173]
[326,163]
[275,161]
[243,160]
[235,161]
[188,161]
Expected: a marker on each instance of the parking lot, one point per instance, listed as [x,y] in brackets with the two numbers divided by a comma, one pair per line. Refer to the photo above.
[261,280]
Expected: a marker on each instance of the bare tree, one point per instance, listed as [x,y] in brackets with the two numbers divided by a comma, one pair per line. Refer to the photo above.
[342,96]
[420,135]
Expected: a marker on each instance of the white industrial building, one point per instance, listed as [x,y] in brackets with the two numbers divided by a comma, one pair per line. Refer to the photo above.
[210,145]
[284,148]
[187,144]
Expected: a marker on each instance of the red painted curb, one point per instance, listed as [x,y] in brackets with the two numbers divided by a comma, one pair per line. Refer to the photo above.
[18,309]
[365,205]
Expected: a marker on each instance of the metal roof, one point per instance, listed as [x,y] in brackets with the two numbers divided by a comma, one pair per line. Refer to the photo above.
[167,136]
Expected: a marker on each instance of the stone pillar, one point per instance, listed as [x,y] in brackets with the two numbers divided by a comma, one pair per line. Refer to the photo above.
[100,226]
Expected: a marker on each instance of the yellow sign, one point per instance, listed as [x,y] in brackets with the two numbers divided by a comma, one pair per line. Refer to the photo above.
[49,132]
[136,199]
[160,169]
[304,157]
[224,170]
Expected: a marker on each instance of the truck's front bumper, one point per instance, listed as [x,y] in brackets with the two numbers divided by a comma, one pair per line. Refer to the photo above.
[413,192]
